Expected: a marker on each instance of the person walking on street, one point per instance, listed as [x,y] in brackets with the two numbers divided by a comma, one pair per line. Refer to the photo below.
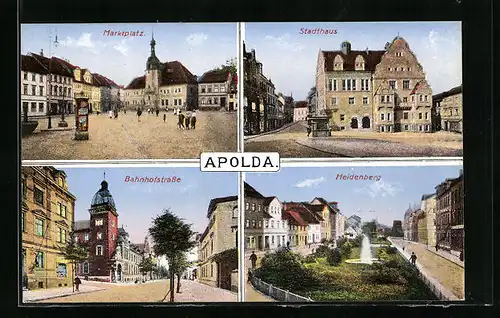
[437,247]
[164,117]
[250,275]
[413,258]
[139,113]
[157,112]
[188,120]
[308,130]
[253,259]
[77,283]
[180,123]
[193,120]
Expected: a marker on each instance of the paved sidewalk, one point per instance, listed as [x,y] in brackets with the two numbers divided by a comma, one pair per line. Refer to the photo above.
[448,256]
[252,295]
[42,294]
[193,291]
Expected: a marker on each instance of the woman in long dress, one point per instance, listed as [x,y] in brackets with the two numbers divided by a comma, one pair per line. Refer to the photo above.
[139,113]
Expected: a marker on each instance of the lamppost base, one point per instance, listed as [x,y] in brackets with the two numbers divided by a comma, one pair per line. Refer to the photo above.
[81,135]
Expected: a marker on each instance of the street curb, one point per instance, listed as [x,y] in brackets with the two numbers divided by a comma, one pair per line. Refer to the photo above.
[62,296]
[328,152]
[269,132]
[446,258]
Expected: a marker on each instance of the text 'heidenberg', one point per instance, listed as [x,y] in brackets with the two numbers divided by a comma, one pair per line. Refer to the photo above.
[244,162]
[173,179]
[341,176]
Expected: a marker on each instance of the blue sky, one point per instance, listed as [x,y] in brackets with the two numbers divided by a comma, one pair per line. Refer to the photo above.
[200,47]
[138,203]
[289,58]
[388,198]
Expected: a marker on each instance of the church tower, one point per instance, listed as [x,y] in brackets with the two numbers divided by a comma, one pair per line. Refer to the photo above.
[103,231]
[153,68]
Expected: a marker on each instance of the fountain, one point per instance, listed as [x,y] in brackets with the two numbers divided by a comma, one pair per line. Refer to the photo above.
[366,253]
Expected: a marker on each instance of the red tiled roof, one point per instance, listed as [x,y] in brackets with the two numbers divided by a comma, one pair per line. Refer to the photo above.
[30,64]
[175,73]
[137,83]
[54,65]
[215,76]
[300,104]
[305,214]
[293,217]
[372,58]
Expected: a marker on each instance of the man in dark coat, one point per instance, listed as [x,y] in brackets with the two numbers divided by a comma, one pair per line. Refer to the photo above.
[139,113]
[253,259]
[413,258]
[77,283]
[180,123]
[157,112]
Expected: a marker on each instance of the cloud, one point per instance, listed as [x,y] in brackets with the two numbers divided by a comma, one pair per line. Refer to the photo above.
[307,183]
[380,188]
[284,42]
[84,41]
[187,188]
[196,39]
[122,47]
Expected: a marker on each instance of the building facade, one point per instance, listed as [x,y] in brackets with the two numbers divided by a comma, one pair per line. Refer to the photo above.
[422,236]
[300,111]
[217,249]
[449,108]
[164,86]
[383,90]
[47,216]
[214,90]
[429,206]
[33,87]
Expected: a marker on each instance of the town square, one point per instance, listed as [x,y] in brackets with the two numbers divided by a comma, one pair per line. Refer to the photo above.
[121,241]
[372,234]
[158,98]
[365,90]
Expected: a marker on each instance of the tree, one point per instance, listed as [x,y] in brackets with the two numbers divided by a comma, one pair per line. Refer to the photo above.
[334,257]
[178,266]
[369,228]
[171,236]
[146,265]
[73,253]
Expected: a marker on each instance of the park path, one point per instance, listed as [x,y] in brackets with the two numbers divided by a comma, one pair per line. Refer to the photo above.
[253,295]
[51,293]
[193,291]
[446,272]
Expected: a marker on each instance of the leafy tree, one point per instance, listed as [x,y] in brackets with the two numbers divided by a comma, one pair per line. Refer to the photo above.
[334,257]
[345,250]
[161,271]
[322,251]
[341,241]
[369,228]
[171,236]
[178,265]
[73,253]
[146,265]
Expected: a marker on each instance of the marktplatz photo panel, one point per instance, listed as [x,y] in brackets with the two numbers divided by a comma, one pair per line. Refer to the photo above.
[353,89]
[127,91]
[355,234]
[128,234]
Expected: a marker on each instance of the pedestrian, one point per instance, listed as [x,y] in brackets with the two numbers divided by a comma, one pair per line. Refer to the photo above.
[188,120]
[77,283]
[461,256]
[116,114]
[157,112]
[180,123]
[124,110]
[288,244]
[164,117]
[110,114]
[308,130]
[250,275]
[139,113]
[253,259]
[413,258]
[193,120]
[437,247]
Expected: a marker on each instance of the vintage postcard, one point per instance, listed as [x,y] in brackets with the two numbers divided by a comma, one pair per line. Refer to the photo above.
[355,234]
[381,89]
[142,235]
[127,91]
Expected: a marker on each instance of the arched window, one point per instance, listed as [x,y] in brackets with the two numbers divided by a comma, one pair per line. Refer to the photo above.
[360,63]
[338,63]
[235,212]
[98,250]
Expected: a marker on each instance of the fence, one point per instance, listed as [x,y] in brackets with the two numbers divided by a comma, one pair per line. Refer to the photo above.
[277,293]
[436,287]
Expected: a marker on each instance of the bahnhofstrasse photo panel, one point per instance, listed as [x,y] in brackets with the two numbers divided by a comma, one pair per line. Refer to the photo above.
[128,235]
[381,89]
[355,234]
[127,91]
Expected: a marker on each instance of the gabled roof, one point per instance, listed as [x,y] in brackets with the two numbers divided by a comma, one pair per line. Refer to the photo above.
[453,91]
[269,199]
[372,58]
[305,214]
[293,217]
[176,73]
[30,64]
[214,202]
[215,76]
[251,192]
[137,83]
[300,104]
[54,65]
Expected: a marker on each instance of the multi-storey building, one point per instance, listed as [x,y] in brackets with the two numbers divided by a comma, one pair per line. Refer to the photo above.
[428,205]
[59,84]
[217,249]
[449,109]
[167,85]
[332,223]
[33,87]
[384,90]
[300,111]
[47,216]
[297,225]
[214,88]
[450,215]
[125,259]
[422,234]
[397,228]
[109,92]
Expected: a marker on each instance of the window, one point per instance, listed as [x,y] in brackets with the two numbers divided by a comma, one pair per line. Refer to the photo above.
[85,267]
[33,90]
[419,115]
[342,117]
[382,128]
[421,98]
[86,237]
[254,224]
[260,224]
[33,107]
[61,270]
[247,205]
[23,222]
[25,75]
[33,77]
[392,84]
[382,116]
[113,223]
[334,100]
[353,81]
[40,260]
[405,99]
[38,196]
[364,84]
[408,69]
[209,89]
[388,116]
[62,235]
[247,223]
[406,127]
[99,222]
[99,235]
[344,84]
[425,97]
[398,54]
[405,115]
[98,250]
[25,89]
[266,223]
[348,84]
[253,206]
[235,212]
[351,100]
[334,84]
[406,84]
[62,210]
[365,100]
[382,99]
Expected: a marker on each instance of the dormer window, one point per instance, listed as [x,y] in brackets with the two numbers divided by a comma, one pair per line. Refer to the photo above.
[360,63]
[399,54]
[338,63]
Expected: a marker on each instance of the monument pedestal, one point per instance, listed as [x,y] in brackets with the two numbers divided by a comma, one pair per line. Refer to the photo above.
[319,126]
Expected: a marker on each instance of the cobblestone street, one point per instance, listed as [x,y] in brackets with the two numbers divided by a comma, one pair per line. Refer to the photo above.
[191,291]
[449,274]
[293,142]
[126,138]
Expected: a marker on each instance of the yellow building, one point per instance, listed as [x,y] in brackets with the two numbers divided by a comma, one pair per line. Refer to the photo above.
[429,206]
[46,222]
[422,235]
[450,108]
[217,250]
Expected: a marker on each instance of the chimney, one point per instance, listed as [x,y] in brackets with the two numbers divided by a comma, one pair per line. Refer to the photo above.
[41,52]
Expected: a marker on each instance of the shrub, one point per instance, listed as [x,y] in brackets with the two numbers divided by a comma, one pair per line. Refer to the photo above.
[324,241]
[341,241]
[356,242]
[382,274]
[285,269]
[334,257]
[391,250]
[346,250]
[322,251]
[309,259]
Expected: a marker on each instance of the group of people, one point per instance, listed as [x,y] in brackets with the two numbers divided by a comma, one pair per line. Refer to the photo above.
[187,121]
[113,114]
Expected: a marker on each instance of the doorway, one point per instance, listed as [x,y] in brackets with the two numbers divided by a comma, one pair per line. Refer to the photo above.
[223,102]
[365,122]
[354,123]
